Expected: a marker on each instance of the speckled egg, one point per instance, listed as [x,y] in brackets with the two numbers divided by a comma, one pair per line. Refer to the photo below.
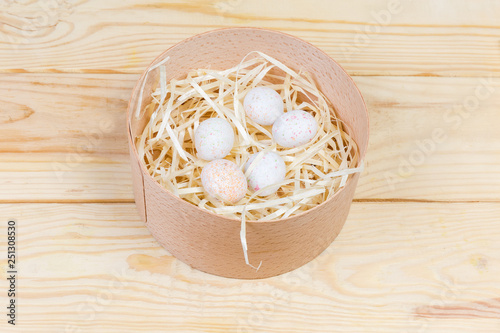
[263,105]
[294,128]
[223,179]
[213,139]
[270,169]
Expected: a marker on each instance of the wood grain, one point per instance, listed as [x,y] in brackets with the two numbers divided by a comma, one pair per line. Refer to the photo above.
[71,145]
[448,38]
[430,140]
[65,177]
[95,268]
[63,138]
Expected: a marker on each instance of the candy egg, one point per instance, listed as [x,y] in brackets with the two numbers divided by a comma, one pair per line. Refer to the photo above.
[294,129]
[223,179]
[270,169]
[263,105]
[213,139]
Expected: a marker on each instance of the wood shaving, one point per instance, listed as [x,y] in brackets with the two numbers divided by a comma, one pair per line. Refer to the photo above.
[314,172]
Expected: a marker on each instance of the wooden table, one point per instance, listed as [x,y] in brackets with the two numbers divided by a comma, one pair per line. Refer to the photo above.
[420,251]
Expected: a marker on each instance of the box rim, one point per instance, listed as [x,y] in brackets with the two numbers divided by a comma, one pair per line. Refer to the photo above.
[161,56]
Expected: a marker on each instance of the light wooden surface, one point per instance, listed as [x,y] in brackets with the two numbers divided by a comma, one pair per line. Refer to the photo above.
[419,252]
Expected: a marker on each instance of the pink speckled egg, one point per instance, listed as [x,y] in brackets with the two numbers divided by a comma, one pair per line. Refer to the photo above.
[269,170]
[223,179]
[213,139]
[294,128]
[263,105]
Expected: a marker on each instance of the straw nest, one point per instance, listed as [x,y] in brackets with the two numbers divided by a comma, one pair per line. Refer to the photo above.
[314,172]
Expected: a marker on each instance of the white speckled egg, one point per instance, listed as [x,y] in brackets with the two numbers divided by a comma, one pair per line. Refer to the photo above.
[294,129]
[223,179]
[213,139]
[263,105]
[270,169]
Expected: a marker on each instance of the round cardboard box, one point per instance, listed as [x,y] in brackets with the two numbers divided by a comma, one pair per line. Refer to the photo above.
[210,242]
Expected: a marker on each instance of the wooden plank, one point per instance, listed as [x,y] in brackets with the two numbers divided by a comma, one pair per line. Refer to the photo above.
[395,267]
[368,38]
[63,138]
[71,145]
[69,113]
[432,139]
[65,177]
